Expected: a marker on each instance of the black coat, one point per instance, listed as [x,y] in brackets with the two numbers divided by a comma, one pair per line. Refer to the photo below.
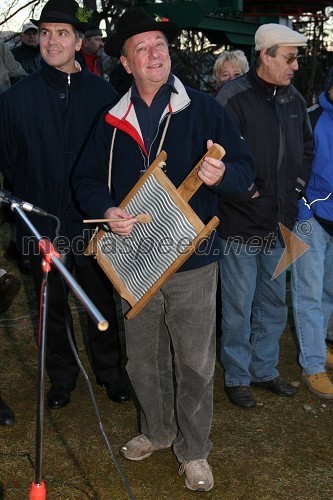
[28,57]
[275,124]
[44,122]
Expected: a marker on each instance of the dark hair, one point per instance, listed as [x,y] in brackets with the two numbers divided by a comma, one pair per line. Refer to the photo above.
[78,34]
[270,52]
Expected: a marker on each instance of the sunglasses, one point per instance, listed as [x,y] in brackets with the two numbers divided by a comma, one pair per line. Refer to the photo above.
[289,59]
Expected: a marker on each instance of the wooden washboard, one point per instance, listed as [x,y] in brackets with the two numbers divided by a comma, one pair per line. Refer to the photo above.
[140,264]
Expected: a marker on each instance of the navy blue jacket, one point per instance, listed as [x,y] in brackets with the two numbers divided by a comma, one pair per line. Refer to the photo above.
[45,120]
[195,118]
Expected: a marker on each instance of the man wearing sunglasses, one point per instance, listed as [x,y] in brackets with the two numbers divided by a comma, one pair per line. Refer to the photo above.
[272,117]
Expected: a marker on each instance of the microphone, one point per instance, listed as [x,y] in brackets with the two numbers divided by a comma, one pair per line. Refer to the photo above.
[8,199]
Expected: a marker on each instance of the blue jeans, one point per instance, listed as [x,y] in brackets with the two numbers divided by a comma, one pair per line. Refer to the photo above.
[173,339]
[254,313]
[312,294]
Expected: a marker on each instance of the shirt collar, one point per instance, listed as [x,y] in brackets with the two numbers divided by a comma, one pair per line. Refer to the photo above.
[167,87]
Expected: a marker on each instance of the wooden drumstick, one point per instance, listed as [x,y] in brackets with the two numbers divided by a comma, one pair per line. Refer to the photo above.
[143,218]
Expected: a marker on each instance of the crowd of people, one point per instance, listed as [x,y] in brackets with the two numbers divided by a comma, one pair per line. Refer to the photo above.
[276,175]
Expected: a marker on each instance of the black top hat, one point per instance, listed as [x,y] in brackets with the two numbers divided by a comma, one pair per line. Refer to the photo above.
[64,11]
[135,21]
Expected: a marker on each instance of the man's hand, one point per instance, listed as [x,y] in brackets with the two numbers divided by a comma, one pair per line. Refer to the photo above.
[211,171]
[121,228]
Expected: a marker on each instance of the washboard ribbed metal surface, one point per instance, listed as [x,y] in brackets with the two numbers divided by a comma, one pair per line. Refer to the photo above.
[139,264]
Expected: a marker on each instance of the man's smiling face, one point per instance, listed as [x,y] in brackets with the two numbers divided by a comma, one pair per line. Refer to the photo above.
[58,43]
[147,58]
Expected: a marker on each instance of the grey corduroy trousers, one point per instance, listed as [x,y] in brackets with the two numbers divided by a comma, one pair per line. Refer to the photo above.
[171,354]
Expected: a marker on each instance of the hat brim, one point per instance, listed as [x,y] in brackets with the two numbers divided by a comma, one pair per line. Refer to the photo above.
[116,41]
[83,27]
[31,27]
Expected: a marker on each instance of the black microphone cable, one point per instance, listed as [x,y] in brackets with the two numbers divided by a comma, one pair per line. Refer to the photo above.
[7,198]
[93,399]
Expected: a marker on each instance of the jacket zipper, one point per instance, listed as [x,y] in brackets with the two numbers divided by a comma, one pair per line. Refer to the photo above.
[67,89]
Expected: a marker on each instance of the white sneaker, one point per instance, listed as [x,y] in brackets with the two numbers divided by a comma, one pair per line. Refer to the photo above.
[198,475]
[139,448]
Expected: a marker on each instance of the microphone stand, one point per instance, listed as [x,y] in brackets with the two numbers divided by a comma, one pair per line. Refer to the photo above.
[50,257]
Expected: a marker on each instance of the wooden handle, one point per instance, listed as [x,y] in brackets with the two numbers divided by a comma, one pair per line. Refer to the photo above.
[192,182]
[143,218]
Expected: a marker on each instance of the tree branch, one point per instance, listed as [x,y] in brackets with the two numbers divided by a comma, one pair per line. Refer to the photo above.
[10,16]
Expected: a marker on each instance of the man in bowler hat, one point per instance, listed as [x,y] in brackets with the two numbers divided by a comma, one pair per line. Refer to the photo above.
[65,99]
[178,324]
[92,46]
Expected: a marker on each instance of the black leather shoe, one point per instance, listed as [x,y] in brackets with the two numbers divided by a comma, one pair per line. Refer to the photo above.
[277,386]
[116,391]
[6,414]
[241,396]
[59,396]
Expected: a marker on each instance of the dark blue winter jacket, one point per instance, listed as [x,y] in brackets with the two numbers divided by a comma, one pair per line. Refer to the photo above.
[45,119]
[195,118]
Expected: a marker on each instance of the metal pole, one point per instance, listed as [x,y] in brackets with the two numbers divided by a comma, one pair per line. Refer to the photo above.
[50,256]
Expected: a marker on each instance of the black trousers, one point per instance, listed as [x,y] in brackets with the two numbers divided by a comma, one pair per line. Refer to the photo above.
[61,365]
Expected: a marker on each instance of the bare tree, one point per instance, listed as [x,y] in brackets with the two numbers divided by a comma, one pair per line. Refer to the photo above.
[90,4]
[16,7]
[195,53]
[318,59]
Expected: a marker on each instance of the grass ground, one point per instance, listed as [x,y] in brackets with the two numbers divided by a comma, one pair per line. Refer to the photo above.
[280,450]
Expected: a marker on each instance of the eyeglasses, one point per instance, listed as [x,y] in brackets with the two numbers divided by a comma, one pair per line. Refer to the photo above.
[289,59]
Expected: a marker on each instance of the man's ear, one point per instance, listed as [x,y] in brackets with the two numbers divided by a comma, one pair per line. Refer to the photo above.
[264,56]
[78,45]
[124,62]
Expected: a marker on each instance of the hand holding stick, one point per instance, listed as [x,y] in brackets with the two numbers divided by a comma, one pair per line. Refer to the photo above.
[143,218]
